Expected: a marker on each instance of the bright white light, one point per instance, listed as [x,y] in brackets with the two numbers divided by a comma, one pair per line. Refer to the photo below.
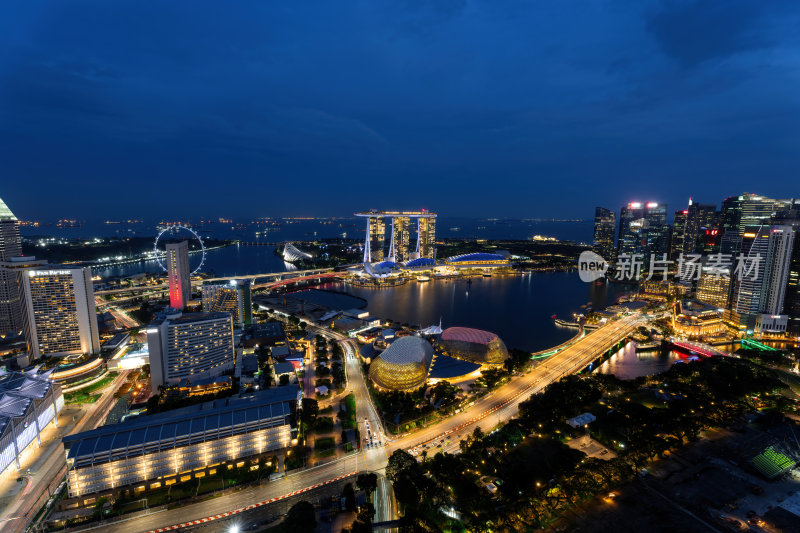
[234,528]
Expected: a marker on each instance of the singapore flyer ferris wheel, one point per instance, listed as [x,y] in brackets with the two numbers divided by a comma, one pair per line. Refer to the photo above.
[179,233]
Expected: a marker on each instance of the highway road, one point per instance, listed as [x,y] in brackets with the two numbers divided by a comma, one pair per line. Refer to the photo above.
[486,413]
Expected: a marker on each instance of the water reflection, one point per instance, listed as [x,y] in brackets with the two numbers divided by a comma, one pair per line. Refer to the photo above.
[627,363]
[518,308]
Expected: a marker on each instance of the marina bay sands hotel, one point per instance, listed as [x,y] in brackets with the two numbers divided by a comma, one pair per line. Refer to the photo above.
[399,236]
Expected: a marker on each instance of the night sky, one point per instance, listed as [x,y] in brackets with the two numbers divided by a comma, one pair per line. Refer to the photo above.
[471,108]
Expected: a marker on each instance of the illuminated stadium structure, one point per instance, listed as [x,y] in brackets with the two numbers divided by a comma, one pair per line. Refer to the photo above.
[478,259]
[403,365]
[474,345]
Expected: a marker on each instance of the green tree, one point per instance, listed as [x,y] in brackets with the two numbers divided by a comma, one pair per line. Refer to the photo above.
[349,496]
[300,518]
[368,483]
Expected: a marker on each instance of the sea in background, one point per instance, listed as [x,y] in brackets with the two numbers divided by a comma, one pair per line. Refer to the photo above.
[280,230]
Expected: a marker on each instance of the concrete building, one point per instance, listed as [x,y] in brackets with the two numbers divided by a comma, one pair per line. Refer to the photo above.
[10,247]
[150,452]
[399,247]
[678,234]
[59,313]
[191,345]
[28,404]
[605,224]
[178,273]
[232,297]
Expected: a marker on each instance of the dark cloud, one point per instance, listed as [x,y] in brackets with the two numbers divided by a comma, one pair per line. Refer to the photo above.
[507,108]
[696,31]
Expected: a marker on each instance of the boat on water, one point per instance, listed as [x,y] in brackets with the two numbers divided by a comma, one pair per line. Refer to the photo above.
[422,278]
[487,275]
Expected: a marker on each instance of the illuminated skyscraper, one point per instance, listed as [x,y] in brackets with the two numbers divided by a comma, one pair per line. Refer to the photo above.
[741,211]
[232,297]
[10,305]
[643,230]
[759,294]
[400,238]
[678,234]
[180,285]
[605,222]
[699,219]
[426,236]
[190,346]
[713,288]
[59,311]
[377,231]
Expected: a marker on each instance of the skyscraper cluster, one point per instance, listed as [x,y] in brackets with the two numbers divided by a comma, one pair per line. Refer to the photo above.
[755,235]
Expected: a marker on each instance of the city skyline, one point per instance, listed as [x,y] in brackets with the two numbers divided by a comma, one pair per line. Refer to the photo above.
[547,101]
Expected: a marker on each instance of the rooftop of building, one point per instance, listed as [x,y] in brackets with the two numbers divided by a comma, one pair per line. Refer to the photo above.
[407,350]
[188,318]
[476,256]
[260,405]
[477,336]
[5,212]
[421,262]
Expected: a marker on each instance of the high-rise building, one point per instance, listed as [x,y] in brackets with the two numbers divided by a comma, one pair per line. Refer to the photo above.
[426,236]
[699,219]
[791,302]
[10,305]
[713,288]
[761,291]
[678,234]
[643,230]
[377,231]
[605,222]
[741,211]
[399,248]
[232,297]
[59,313]
[190,346]
[178,273]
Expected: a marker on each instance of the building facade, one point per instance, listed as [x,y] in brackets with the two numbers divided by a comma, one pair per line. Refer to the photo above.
[178,274]
[28,405]
[713,288]
[605,225]
[59,312]
[10,247]
[149,452]
[399,251]
[190,346]
[232,297]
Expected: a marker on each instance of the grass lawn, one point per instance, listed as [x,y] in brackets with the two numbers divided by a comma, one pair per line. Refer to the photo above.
[324,447]
[349,420]
[209,484]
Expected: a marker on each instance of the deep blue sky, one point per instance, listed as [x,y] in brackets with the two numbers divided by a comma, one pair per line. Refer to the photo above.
[523,108]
